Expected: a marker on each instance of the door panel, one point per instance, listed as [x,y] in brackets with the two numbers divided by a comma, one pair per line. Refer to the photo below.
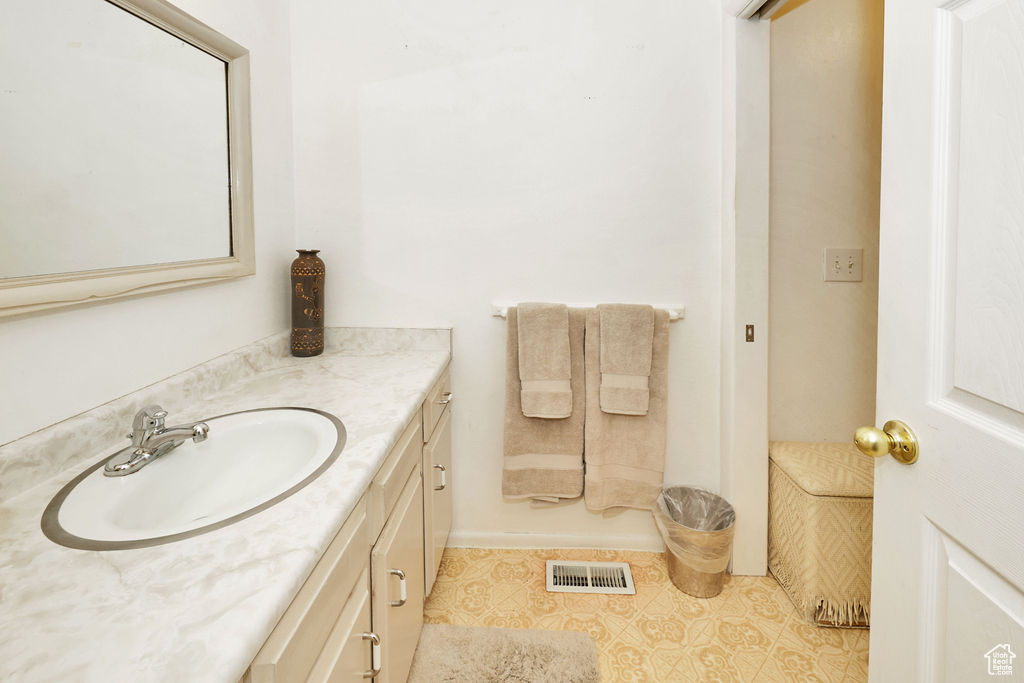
[983,47]
[975,609]
[947,569]
[980,207]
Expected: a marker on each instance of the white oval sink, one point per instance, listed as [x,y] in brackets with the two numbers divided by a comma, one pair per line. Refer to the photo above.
[250,461]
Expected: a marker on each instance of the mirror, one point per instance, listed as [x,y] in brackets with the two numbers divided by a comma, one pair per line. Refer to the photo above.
[127,161]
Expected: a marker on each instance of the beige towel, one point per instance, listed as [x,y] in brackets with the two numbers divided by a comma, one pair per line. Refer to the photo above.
[627,338]
[625,454]
[543,458]
[544,365]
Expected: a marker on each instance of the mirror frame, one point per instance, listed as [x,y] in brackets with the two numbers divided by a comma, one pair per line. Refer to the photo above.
[39,292]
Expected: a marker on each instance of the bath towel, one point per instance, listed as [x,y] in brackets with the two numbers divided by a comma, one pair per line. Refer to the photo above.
[627,338]
[544,364]
[625,454]
[543,458]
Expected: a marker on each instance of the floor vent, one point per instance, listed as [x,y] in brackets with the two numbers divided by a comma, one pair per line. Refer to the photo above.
[570,576]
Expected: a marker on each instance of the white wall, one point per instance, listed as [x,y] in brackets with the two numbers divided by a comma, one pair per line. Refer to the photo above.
[452,154]
[826,117]
[56,364]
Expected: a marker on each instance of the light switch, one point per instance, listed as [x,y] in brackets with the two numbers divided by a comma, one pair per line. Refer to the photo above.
[844,265]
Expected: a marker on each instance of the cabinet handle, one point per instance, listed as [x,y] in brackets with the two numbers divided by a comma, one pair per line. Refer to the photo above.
[446,398]
[444,478]
[402,590]
[374,655]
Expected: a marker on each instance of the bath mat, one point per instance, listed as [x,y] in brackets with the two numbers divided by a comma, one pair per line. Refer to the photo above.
[473,654]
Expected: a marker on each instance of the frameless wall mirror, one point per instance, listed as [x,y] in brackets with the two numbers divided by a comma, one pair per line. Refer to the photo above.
[126,164]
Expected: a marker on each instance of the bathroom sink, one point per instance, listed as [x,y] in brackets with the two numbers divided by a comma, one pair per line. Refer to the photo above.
[251,461]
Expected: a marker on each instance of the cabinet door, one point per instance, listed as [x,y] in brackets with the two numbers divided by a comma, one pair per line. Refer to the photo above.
[397,559]
[347,656]
[437,497]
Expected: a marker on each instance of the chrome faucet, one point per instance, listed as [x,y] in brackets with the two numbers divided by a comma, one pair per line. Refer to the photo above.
[151,439]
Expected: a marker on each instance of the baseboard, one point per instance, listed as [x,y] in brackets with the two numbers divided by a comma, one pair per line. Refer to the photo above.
[462,539]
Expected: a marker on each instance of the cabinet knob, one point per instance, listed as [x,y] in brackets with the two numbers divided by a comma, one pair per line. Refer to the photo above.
[374,655]
[403,592]
[444,478]
[446,398]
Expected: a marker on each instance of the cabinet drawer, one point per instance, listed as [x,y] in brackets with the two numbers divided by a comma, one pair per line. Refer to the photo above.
[347,655]
[393,474]
[435,403]
[293,647]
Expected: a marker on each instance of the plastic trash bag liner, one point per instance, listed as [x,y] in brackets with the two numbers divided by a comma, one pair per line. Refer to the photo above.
[697,527]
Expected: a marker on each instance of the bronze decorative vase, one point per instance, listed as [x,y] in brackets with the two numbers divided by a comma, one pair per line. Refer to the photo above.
[308,303]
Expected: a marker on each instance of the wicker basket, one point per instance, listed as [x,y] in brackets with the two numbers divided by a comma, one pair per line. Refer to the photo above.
[819,529]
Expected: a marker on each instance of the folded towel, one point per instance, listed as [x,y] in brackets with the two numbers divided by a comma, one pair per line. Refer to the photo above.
[544,366]
[627,336]
[625,454]
[543,458]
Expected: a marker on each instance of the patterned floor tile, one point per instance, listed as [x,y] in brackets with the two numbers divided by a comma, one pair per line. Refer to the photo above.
[786,664]
[663,638]
[857,672]
[830,649]
[602,628]
[737,645]
[754,597]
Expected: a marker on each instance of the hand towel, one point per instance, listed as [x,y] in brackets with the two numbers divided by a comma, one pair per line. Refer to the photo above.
[625,454]
[627,338]
[544,364]
[543,459]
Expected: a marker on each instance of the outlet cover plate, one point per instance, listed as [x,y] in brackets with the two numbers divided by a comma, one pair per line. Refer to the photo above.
[843,265]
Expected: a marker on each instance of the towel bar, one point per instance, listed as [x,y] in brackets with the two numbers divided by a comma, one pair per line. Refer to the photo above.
[675,311]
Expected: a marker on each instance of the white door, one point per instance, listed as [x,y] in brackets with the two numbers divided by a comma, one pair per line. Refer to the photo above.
[948,568]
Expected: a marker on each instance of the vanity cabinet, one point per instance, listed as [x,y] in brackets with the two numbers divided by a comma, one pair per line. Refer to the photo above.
[359,614]
[437,477]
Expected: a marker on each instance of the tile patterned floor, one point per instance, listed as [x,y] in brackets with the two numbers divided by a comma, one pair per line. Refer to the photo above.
[750,632]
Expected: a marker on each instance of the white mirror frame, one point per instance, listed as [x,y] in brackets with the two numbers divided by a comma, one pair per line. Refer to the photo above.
[27,294]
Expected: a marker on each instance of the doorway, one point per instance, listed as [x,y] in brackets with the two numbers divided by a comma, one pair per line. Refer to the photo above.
[826,140]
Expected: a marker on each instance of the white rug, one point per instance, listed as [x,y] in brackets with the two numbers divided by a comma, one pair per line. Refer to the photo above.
[471,654]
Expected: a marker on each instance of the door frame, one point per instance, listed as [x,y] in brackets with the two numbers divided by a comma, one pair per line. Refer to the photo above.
[746,108]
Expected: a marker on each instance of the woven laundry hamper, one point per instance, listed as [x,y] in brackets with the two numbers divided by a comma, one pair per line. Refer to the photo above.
[819,529]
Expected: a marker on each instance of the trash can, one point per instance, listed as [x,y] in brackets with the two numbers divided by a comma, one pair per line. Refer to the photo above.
[697,527]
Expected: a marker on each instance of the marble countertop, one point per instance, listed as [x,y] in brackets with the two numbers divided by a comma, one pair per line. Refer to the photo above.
[198,609]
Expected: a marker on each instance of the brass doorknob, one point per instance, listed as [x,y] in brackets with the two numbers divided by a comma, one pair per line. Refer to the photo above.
[894,437]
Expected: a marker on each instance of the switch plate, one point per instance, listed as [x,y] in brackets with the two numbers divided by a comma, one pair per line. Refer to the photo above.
[844,265]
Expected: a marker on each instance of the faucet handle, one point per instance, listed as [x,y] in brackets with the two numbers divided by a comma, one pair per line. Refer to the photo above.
[149,419]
